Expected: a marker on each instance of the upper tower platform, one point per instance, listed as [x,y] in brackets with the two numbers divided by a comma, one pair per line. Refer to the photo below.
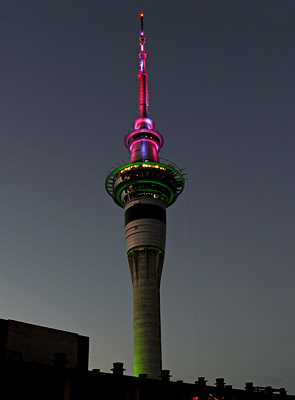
[145,175]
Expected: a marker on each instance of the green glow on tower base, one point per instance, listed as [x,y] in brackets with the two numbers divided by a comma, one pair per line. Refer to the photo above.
[146,270]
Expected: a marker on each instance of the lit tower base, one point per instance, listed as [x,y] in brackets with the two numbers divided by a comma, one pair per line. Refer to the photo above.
[145,188]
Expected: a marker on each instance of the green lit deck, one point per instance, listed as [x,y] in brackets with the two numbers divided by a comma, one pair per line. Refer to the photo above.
[140,179]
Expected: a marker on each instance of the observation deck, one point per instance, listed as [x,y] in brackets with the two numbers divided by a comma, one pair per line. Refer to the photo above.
[145,179]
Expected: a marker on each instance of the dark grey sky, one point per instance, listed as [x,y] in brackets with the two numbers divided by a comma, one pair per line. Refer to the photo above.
[222,93]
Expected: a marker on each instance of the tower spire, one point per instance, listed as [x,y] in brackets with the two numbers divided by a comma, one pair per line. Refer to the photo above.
[142,76]
[141,20]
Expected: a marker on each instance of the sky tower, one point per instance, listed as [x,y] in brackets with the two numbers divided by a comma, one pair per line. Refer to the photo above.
[145,187]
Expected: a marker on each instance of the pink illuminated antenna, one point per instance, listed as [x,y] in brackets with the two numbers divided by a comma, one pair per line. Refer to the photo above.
[142,76]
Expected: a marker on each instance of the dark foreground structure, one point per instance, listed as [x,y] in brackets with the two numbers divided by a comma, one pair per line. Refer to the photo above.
[49,364]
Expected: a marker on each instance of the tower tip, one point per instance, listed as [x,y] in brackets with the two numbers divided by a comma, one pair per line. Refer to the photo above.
[141,20]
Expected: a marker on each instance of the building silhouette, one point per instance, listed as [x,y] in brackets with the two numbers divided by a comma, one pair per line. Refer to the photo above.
[35,344]
[49,364]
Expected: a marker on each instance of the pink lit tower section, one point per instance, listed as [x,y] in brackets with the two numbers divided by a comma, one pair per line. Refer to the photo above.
[145,187]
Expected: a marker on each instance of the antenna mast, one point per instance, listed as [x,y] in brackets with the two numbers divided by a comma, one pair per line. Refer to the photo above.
[142,76]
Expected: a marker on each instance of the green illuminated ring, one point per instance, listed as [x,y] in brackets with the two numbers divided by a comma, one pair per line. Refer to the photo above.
[110,177]
[146,247]
[152,191]
[119,192]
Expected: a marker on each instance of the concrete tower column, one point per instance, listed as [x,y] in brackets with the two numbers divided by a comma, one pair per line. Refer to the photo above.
[145,233]
[146,267]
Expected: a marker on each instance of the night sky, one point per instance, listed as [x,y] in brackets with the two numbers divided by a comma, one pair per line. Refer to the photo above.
[222,93]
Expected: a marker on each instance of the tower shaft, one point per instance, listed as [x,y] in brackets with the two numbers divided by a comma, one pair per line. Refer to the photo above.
[145,267]
[145,234]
